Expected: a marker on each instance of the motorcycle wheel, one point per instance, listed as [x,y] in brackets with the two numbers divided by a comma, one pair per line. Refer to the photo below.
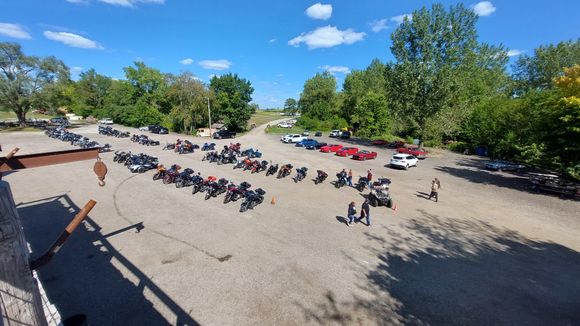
[179,184]
[244,207]
[360,187]
[194,190]
[166,180]
[141,169]
[207,195]
[156,176]
[226,198]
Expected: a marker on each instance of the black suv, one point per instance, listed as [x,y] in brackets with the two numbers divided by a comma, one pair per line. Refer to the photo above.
[345,135]
[156,129]
[220,134]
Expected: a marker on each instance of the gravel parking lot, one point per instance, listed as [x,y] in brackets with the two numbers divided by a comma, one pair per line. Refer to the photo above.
[489,252]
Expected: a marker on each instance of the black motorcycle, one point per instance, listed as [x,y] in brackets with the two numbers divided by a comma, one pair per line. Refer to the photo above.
[320,176]
[252,199]
[362,183]
[183,178]
[216,188]
[341,182]
[300,174]
[272,169]
[208,147]
[236,192]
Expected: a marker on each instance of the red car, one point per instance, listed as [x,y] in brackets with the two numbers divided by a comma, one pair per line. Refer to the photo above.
[330,148]
[415,151]
[380,142]
[364,155]
[347,151]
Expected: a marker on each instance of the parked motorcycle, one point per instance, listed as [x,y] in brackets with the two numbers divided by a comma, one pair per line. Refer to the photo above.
[259,166]
[285,171]
[362,183]
[300,174]
[341,182]
[236,192]
[252,199]
[272,169]
[203,185]
[183,178]
[320,176]
[216,188]
[208,147]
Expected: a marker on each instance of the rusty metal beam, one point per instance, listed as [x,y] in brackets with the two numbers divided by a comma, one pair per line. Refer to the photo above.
[48,158]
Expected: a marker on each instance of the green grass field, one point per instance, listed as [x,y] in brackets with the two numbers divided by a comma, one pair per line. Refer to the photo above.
[7,114]
[261,117]
[284,131]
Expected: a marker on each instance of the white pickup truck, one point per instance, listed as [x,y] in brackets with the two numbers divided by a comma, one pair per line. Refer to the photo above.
[294,138]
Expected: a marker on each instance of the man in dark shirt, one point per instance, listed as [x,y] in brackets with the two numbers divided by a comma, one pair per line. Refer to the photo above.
[366,212]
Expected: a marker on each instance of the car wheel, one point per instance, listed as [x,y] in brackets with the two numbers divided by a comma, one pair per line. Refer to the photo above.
[407,167]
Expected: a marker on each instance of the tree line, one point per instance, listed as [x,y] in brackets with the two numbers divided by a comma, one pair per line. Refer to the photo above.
[145,96]
[444,86]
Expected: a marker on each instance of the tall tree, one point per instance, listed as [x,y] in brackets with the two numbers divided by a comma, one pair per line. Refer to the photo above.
[536,72]
[291,106]
[149,86]
[317,100]
[91,91]
[233,96]
[188,96]
[23,78]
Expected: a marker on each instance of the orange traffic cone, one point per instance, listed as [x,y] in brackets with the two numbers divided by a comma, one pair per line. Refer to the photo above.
[273,202]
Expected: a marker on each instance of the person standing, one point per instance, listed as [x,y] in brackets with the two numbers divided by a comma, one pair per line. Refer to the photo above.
[435,186]
[366,212]
[351,213]
[370,177]
[349,178]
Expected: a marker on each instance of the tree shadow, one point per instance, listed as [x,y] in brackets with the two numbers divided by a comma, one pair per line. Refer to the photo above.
[85,275]
[442,271]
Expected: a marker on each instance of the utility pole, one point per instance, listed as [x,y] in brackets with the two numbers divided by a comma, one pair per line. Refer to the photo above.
[209,116]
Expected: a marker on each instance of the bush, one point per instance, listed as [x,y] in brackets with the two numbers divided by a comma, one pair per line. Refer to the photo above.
[458,146]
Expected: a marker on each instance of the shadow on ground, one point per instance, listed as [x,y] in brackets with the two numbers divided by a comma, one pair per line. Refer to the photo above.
[440,271]
[84,275]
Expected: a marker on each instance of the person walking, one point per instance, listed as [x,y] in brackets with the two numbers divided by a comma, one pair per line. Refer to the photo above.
[349,178]
[351,213]
[435,186]
[365,212]
[370,177]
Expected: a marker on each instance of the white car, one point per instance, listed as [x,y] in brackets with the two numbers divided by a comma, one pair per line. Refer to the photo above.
[295,138]
[335,133]
[283,138]
[284,125]
[403,161]
[106,121]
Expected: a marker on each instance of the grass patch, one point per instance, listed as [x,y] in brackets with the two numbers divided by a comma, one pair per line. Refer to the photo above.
[262,117]
[7,114]
[284,131]
[8,130]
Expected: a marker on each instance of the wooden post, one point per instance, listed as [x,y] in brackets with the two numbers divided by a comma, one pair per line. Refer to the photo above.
[20,302]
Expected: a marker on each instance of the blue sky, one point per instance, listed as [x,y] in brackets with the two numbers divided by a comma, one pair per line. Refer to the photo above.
[276,45]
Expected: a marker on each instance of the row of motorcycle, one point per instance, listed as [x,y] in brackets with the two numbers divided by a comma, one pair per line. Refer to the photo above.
[211,186]
[109,131]
[75,139]
[144,140]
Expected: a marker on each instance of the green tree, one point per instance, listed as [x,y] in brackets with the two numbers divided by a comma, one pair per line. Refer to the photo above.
[188,97]
[149,85]
[291,106]
[24,78]
[318,97]
[91,91]
[536,72]
[232,100]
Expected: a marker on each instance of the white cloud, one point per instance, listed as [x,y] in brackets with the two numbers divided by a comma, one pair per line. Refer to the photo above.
[13,30]
[73,40]
[280,75]
[326,37]
[514,52]
[336,69]
[379,25]
[401,18]
[272,40]
[186,61]
[484,8]
[319,11]
[77,1]
[210,76]
[130,3]
[76,69]
[215,64]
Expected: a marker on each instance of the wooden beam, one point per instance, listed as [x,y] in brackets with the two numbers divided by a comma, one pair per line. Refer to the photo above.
[48,158]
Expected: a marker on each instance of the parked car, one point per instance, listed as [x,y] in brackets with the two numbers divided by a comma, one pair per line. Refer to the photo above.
[306,133]
[284,125]
[403,161]
[501,165]
[332,148]
[396,144]
[106,121]
[157,129]
[306,142]
[413,150]
[379,142]
[146,128]
[347,151]
[364,155]
[221,134]
[318,145]
[345,135]
[318,134]
[335,133]
[294,139]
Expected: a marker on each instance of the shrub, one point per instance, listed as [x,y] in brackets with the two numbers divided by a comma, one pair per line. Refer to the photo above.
[458,146]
